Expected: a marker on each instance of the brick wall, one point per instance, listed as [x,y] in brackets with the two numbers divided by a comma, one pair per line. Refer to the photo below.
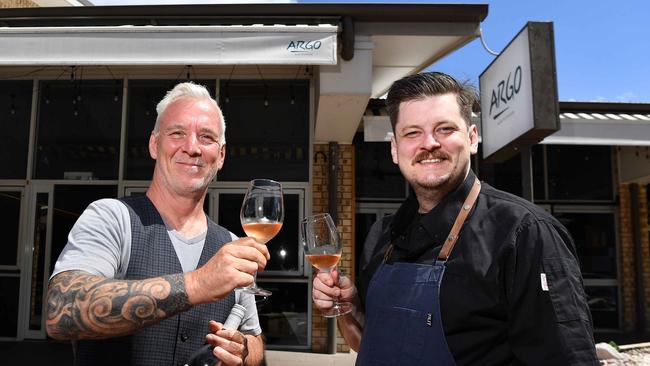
[17,4]
[645,248]
[627,255]
[345,224]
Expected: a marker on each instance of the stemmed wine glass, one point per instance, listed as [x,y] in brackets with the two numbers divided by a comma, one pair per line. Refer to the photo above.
[323,250]
[261,215]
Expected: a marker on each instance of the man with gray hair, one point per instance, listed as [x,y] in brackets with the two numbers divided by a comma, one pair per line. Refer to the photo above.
[143,279]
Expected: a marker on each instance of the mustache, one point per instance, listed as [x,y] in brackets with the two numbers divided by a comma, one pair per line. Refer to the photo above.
[424,155]
[197,162]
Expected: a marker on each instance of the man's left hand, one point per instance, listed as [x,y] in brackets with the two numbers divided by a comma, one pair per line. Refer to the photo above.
[230,346]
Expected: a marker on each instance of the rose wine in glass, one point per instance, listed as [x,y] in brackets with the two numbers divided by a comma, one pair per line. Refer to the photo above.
[261,215]
[323,248]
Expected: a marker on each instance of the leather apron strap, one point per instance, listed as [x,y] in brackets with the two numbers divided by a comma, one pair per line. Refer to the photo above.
[452,238]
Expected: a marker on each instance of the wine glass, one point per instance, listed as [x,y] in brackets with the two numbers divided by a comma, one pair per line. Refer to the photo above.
[323,250]
[261,217]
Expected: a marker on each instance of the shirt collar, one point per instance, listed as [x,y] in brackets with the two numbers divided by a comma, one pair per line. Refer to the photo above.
[439,220]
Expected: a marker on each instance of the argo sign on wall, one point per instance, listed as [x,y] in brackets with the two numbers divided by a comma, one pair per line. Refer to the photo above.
[519,102]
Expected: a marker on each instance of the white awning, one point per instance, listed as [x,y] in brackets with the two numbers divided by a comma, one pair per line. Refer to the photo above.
[610,129]
[170,45]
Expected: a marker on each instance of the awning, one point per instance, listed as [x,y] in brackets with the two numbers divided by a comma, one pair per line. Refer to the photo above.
[576,128]
[170,45]
[611,129]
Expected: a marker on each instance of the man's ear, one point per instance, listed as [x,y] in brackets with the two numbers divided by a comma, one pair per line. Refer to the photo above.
[473,139]
[153,146]
[393,150]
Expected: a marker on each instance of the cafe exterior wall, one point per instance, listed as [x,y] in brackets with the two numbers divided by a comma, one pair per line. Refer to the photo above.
[628,254]
[17,4]
[345,223]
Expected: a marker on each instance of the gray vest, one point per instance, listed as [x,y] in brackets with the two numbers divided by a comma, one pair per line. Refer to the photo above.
[171,341]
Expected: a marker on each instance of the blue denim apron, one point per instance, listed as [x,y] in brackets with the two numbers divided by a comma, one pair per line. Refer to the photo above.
[403,324]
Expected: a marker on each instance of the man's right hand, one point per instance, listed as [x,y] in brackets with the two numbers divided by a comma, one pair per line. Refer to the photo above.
[330,286]
[234,265]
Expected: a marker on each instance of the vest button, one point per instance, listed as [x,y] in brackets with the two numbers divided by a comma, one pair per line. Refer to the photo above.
[184,337]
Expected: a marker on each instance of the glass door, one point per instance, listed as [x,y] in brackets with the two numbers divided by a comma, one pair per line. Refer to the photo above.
[52,210]
[35,261]
[11,208]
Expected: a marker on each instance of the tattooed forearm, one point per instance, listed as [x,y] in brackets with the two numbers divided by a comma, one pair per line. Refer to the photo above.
[85,306]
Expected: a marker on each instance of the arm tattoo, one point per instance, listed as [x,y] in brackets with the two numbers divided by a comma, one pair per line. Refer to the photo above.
[85,306]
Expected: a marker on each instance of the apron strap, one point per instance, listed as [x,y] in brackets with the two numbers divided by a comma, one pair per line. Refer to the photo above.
[452,238]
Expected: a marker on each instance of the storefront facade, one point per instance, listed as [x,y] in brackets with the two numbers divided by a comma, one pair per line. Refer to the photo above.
[78,116]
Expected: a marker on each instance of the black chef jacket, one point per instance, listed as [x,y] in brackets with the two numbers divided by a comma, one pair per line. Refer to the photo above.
[512,292]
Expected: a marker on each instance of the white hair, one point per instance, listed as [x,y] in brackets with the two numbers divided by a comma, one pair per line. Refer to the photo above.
[188,90]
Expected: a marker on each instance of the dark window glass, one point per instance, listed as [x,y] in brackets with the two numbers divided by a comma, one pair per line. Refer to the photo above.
[144,95]
[505,176]
[594,237]
[38,262]
[9,288]
[539,191]
[362,224]
[376,175]
[15,112]
[69,202]
[283,316]
[78,130]
[579,172]
[603,303]
[9,227]
[283,248]
[267,130]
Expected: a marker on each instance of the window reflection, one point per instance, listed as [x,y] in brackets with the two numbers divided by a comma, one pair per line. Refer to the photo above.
[9,226]
[593,179]
[284,247]
[375,173]
[283,316]
[603,303]
[144,95]
[15,112]
[78,130]
[593,234]
[267,129]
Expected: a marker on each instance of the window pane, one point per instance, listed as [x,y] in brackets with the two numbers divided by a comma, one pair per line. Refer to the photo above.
[15,112]
[9,226]
[69,202]
[593,234]
[144,95]
[283,316]
[283,248]
[505,176]
[603,303]
[376,175]
[593,179]
[9,288]
[362,223]
[267,135]
[539,191]
[38,261]
[78,130]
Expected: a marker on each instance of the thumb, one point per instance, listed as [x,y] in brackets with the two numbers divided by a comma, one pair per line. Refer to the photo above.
[214,326]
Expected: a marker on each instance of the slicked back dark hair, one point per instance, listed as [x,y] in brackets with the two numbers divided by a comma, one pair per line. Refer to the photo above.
[427,84]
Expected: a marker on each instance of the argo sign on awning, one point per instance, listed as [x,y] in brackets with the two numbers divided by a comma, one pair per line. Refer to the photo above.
[519,101]
[169,45]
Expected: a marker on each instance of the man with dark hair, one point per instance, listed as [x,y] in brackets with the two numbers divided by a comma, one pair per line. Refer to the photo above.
[462,273]
[143,279]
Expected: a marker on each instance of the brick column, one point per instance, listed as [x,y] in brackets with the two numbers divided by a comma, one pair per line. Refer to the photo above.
[345,224]
[17,4]
[626,259]
[645,248]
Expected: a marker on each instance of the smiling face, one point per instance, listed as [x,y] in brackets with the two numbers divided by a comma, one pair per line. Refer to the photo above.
[432,143]
[186,148]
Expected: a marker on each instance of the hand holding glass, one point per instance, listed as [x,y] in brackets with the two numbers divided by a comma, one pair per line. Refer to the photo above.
[323,249]
[262,213]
